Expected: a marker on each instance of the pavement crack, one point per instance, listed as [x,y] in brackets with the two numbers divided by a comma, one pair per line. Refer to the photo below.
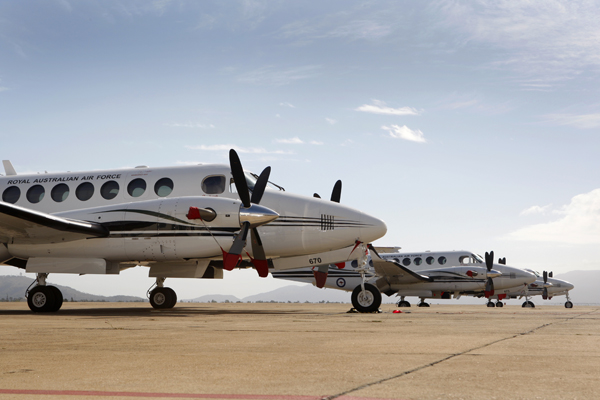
[441,360]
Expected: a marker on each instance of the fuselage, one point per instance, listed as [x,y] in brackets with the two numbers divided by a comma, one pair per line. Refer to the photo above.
[555,287]
[453,272]
[146,211]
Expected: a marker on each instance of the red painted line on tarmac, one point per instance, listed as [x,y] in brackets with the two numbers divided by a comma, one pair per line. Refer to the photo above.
[153,395]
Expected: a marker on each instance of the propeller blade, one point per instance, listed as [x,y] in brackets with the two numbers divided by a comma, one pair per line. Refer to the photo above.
[545,277]
[260,259]
[261,184]
[316,195]
[321,275]
[230,259]
[489,260]
[239,178]
[502,261]
[489,288]
[545,293]
[550,275]
[336,194]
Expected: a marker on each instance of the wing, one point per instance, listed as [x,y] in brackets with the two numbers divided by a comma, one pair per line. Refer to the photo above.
[29,226]
[393,272]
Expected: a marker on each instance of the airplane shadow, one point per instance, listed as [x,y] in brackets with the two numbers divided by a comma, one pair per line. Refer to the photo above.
[178,311]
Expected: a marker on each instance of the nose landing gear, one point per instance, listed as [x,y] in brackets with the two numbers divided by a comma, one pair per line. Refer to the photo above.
[43,298]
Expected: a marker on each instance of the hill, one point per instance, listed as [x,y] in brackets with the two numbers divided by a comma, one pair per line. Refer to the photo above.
[12,288]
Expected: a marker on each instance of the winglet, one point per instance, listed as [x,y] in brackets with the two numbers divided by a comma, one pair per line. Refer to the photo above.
[8,168]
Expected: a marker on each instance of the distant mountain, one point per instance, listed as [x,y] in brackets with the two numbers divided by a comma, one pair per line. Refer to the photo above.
[301,294]
[219,298]
[587,286]
[14,287]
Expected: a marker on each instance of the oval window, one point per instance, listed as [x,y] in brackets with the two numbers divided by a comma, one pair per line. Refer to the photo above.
[429,260]
[85,191]
[213,184]
[60,192]
[11,195]
[109,190]
[36,193]
[163,187]
[442,260]
[418,261]
[406,262]
[136,187]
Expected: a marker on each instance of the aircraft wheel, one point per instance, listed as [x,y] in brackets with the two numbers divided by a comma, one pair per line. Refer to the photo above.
[173,297]
[568,304]
[368,300]
[161,297]
[58,298]
[423,304]
[403,303]
[528,304]
[491,304]
[41,299]
[499,304]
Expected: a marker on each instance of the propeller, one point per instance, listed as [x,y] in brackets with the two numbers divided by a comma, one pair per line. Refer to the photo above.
[545,291]
[489,284]
[336,194]
[502,261]
[316,195]
[251,216]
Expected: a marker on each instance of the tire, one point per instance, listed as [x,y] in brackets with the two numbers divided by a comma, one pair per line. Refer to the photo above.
[403,303]
[41,299]
[368,300]
[173,297]
[58,298]
[568,304]
[499,304]
[161,298]
[423,304]
[491,304]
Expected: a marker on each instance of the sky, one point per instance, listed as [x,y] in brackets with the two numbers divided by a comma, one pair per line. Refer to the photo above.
[463,125]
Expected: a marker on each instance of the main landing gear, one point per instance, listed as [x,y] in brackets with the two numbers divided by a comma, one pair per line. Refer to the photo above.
[423,304]
[162,297]
[403,303]
[43,298]
[528,304]
[496,304]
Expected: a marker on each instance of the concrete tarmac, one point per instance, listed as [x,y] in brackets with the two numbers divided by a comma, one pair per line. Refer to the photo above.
[299,352]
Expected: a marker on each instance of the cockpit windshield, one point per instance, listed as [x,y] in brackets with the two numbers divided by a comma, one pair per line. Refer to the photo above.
[470,259]
[537,274]
[251,179]
[478,258]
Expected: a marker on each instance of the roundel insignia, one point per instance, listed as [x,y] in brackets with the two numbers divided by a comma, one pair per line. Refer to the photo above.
[341,282]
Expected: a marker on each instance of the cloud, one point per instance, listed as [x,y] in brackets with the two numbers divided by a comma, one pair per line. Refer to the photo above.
[536,210]
[294,140]
[227,147]
[331,121]
[404,132]
[2,88]
[279,77]
[190,125]
[579,223]
[315,142]
[548,40]
[379,108]
[584,121]
[286,104]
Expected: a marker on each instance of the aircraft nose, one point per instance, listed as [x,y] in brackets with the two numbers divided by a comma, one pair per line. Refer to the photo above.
[372,228]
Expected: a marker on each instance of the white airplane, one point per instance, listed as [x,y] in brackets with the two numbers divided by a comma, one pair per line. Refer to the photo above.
[545,285]
[437,275]
[182,222]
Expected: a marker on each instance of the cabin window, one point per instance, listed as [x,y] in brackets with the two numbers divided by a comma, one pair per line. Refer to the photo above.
[136,187]
[85,191]
[418,261]
[36,193]
[214,184]
[109,190]
[163,187]
[430,260]
[406,262]
[60,192]
[11,194]
[442,260]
